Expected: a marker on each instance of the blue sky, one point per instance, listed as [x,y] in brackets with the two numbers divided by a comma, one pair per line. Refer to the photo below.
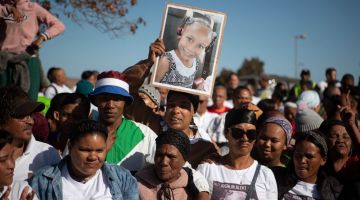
[254,28]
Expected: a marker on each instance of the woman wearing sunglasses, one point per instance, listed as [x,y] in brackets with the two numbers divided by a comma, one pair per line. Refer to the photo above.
[237,175]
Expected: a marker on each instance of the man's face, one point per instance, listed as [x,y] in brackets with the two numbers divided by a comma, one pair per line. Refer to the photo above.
[179,112]
[193,41]
[331,76]
[111,107]
[60,76]
[233,81]
[242,99]
[219,97]
[7,165]
[305,77]
[92,79]
[20,128]
[69,115]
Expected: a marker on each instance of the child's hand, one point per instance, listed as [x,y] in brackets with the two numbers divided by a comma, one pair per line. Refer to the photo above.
[156,48]
[199,83]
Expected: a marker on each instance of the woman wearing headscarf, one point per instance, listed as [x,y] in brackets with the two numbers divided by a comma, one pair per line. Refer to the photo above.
[273,138]
[83,174]
[167,179]
[308,180]
[237,175]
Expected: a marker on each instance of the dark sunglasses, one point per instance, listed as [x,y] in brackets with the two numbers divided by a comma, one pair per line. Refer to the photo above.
[237,133]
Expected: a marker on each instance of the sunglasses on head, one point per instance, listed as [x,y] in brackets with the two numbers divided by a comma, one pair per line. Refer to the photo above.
[237,133]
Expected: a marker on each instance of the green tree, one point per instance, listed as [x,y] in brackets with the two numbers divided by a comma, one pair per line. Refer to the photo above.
[253,66]
[108,16]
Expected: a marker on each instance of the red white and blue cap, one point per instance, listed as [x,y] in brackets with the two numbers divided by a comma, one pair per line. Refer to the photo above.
[111,82]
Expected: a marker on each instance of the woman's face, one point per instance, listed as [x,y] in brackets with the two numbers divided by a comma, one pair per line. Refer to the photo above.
[339,141]
[270,143]
[147,100]
[87,154]
[307,161]
[7,165]
[168,162]
[241,138]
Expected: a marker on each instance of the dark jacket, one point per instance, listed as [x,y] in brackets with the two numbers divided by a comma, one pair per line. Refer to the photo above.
[328,186]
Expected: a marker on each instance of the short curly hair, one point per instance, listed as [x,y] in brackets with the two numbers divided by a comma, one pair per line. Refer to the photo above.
[87,127]
[8,96]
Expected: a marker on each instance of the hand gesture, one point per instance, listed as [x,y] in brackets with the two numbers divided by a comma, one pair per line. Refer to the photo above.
[346,113]
[156,48]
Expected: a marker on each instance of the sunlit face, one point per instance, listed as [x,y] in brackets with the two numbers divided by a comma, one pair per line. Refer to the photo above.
[7,165]
[111,107]
[60,76]
[92,79]
[270,143]
[193,41]
[233,81]
[20,128]
[244,145]
[147,100]
[242,99]
[168,163]
[87,155]
[203,101]
[179,112]
[339,141]
[307,160]
[219,97]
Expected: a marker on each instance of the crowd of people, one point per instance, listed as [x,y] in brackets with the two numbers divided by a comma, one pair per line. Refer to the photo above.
[115,136]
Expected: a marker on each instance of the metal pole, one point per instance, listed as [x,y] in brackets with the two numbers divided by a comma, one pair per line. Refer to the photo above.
[295,57]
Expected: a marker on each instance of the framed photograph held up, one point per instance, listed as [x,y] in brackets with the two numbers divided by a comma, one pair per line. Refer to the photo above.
[192,37]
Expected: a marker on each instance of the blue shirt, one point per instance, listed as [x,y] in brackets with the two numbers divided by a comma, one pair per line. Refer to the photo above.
[47,182]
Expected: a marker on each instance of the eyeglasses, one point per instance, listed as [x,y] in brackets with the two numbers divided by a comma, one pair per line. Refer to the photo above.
[237,133]
[183,105]
[25,117]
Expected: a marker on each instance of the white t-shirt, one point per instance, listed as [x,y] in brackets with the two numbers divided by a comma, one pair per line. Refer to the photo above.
[95,188]
[216,129]
[55,89]
[232,184]
[181,68]
[302,191]
[17,188]
[37,155]
[199,180]
[203,121]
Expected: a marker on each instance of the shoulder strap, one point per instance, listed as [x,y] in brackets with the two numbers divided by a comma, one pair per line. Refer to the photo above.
[51,86]
[190,187]
[251,188]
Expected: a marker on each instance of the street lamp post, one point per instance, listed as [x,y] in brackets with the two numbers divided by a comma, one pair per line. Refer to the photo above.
[297,37]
